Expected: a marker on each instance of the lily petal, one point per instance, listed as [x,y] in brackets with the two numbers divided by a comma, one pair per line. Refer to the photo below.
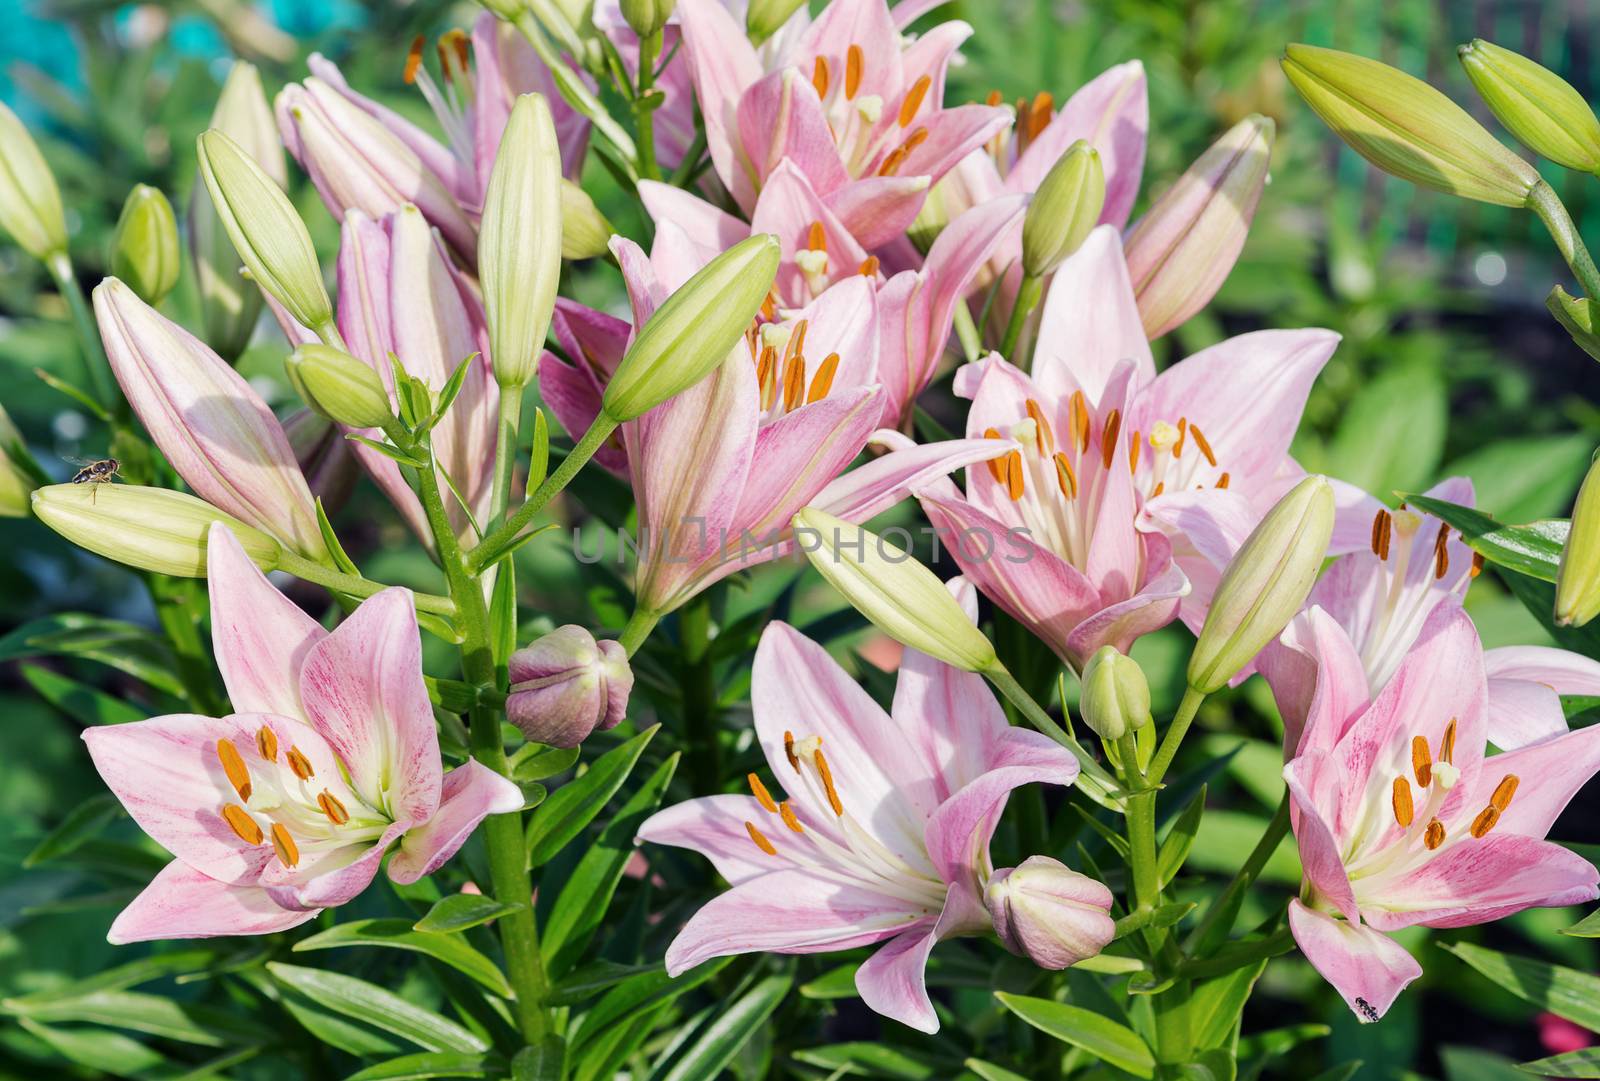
[723,64]
[1550,771]
[180,902]
[714,826]
[470,793]
[1090,323]
[1477,880]
[1368,969]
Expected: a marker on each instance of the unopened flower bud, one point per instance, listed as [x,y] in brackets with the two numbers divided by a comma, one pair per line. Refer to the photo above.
[269,236]
[1053,916]
[1116,696]
[153,529]
[339,386]
[1183,249]
[1577,315]
[1266,584]
[904,599]
[645,17]
[1535,104]
[505,9]
[16,480]
[30,202]
[695,329]
[566,685]
[144,248]
[766,17]
[1063,210]
[519,251]
[1406,127]
[585,232]
[1578,580]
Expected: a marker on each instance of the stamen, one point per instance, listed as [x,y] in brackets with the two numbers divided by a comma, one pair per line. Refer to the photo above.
[854,61]
[769,357]
[1421,761]
[1108,438]
[332,808]
[817,237]
[1039,113]
[995,98]
[234,767]
[916,139]
[288,853]
[243,825]
[1013,467]
[1485,821]
[819,76]
[1205,447]
[458,40]
[300,764]
[763,797]
[769,306]
[1160,487]
[1441,552]
[788,750]
[1404,809]
[760,839]
[413,60]
[794,382]
[1434,837]
[1080,421]
[1382,529]
[1477,565]
[267,743]
[1223,481]
[1447,745]
[996,465]
[786,813]
[827,784]
[869,267]
[1044,438]
[822,382]
[1065,476]
[913,100]
[1133,455]
[1183,433]
[1501,799]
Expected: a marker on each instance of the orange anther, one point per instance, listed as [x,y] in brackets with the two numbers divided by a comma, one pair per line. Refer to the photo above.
[913,100]
[761,794]
[827,784]
[760,839]
[283,844]
[822,382]
[1065,476]
[819,76]
[1013,470]
[243,825]
[332,808]
[786,813]
[233,766]
[854,61]
[1205,447]
[267,743]
[1434,837]
[413,60]
[300,764]
[1501,799]
[1421,761]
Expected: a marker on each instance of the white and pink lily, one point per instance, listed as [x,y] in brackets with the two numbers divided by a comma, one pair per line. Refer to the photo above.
[1403,820]
[288,805]
[856,106]
[884,834]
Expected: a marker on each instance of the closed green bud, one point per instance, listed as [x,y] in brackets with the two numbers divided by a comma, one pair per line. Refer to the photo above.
[1063,210]
[144,248]
[1407,128]
[1116,696]
[519,246]
[269,236]
[339,386]
[1266,584]
[694,330]
[645,17]
[153,529]
[1578,580]
[505,9]
[901,597]
[16,480]
[30,202]
[766,17]
[585,233]
[1577,315]
[1535,104]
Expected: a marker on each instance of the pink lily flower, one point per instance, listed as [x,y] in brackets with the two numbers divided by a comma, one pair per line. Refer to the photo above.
[792,407]
[1061,531]
[1403,820]
[856,107]
[916,308]
[399,293]
[1374,603]
[288,805]
[884,836]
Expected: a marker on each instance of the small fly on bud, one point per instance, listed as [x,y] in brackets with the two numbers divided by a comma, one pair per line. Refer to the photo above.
[96,471]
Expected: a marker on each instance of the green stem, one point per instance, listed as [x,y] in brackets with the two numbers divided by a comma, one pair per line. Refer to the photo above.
[644,113]
[640,624]
[507,531]
[505,451]
[1027,299]
[94,354]
[699,694]
[1201,938]
[1174,737]
[967,333]
[172,601]
[1141,829]
[1092,772]
[573,88]
[1544,202]
[339,582]
[1237,957]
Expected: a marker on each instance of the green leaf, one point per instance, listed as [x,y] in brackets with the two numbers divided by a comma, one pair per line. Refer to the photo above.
[1533,549]
[428,1064]
[1581,1063]
[640,994]
[150,1014]
[543,1061]
[83,822]
[837,982]
[575,804]
[348,1035]
[1215,1005]
[1476,1064]
[535,762]
[100,1049]
[1525,478]
[1280,1041]
[582,903]
[1392,432]
[729,1030]
[451,388]
[156,967]
[1564,991]
[399,934]
[375,1006]
[460,911]
[1342,1072]
[990,1072]
[1539,598]
[1175,848]
[126,647]
[503,609]
[1100,1036]
[341,558]
[878,1060]
[539,456]
[81,702]
[1588,927]
[605,1054]
[591,979]
[388,451]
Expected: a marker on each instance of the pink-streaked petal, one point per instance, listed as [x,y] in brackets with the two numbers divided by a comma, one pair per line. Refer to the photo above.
[1368,969]
[1120,624]
[334,878]
[865,23]
[1480,879]
[952,135]
[362,688]
[470,793]
[873,488]
[1549,772]
[260,637]
[506,67]
[575,399]
[713,228]
[844,320]
[1090,323]
[1205,526]
[723,64]
[877,209]
[714,826]
[180,902]
[645,291]
[1314,781]
[1115,546]
[1563,671]
[788,207]
[929,54]
[893,981]
[781,117]
[596,338]
[1318,682]
[907,12]
[1523,713]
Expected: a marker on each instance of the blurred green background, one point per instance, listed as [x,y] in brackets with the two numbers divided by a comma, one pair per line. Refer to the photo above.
[1449,365]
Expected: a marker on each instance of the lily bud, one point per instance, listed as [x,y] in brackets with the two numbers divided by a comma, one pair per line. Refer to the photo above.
[645,17]
[1063,210]
[904,599]
[1266,584]
[566,685]
[230,304]
[1577,315]
[505,9]
[1535,104]
[1184,247]
[1407,128]
[519,253]
[694,330]
[30,202]
[585,233]
[338,386]
[153,529]
[766,17]
[16,482]
[269,236]
[144,248]
[1578,580]
[1116,696]
[1048,913]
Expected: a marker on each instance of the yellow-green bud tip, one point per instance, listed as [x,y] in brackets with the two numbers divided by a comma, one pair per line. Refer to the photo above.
[144,248]
[338,386]
[1116,696]
[1544,111]
[1578,579]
